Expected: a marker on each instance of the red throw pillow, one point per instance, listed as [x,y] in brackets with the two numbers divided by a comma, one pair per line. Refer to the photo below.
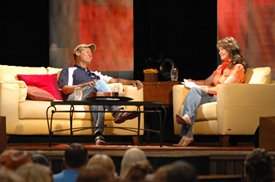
[35,93]
[46,82]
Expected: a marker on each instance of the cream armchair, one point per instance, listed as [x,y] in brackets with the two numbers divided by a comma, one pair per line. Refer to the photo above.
[238,107]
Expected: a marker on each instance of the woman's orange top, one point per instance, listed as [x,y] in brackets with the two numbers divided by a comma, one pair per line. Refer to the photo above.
[223,74]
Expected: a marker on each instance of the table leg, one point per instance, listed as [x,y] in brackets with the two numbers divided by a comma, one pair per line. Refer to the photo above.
[71,122]
[138,131]
[50,122]
[161,124]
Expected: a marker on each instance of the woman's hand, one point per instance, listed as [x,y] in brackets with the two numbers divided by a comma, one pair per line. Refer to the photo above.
[209,90]
[205,89]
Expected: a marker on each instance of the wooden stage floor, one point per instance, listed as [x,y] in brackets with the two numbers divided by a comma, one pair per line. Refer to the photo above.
[150,150]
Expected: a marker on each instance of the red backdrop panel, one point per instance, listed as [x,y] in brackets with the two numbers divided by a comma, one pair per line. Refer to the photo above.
[111,29]
[232,20]
[252,23]
[107,23]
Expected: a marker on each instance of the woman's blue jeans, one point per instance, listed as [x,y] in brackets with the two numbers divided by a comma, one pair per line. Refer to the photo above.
[193,100]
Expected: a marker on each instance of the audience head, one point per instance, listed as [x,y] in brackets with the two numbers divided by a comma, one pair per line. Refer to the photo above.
[75,156]
[7,175]
[130,157]
[33,172]
[94,173]
[161,173]
[104,161]
[258,166]
[12,159]
[177,171]
[138,171]
[40,159]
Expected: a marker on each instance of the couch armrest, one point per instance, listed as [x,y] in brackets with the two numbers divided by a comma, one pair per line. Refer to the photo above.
[116,87]
[13,89]
[11,93]
[133,92]
[239,107]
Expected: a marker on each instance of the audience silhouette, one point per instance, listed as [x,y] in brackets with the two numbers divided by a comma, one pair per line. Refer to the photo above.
[75,158]
[177,172]
[21,166]
[105,162]
[130,157]
[34,172]
[258,166]
[95,173]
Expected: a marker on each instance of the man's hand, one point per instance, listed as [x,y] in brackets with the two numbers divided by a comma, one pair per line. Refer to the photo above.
[91,83]
[138,84]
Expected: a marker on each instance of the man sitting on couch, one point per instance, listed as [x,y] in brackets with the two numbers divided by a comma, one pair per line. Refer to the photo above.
[88,81]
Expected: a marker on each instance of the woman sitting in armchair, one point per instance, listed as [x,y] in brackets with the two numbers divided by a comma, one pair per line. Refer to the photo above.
[232,70]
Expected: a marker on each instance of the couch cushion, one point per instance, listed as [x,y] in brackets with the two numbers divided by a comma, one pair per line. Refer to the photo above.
[31,109]
[207,111]
[43,81]
[35,93]
[259,75]
[52,70]
[9,73]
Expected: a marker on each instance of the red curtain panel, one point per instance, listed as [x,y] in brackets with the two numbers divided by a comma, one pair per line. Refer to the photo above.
[252,23]
[107,23]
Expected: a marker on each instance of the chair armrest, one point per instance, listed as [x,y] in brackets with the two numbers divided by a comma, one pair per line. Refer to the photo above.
[239,107]
[179,94]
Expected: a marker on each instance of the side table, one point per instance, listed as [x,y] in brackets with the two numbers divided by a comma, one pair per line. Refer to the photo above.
[3,136]
[159,91]
[267,133]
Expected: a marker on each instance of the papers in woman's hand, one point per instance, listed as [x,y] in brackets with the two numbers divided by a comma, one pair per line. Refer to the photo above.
[189,84]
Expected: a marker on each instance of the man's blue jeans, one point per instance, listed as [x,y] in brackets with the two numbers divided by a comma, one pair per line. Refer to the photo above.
[98,117]
[193,100]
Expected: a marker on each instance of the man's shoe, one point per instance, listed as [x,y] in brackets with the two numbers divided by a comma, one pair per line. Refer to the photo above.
[120,117]
[99,140]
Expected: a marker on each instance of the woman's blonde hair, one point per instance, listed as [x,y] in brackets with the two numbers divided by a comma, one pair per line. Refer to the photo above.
[103,160]
[131,156]
[33,172]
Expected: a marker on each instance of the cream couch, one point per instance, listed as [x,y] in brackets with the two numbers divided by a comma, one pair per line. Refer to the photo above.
[28,117]
[237,109]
